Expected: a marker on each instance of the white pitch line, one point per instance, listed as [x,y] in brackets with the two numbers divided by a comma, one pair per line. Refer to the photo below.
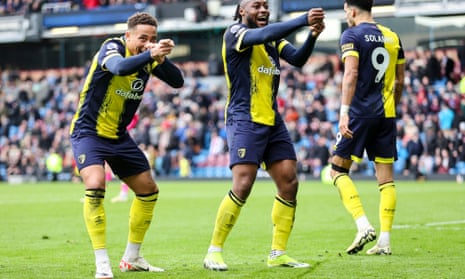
[432,224]
[445,223]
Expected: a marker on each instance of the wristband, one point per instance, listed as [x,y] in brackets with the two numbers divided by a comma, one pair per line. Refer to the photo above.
[344,110]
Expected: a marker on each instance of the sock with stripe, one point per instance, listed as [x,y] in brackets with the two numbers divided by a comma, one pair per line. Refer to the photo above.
[226,217]
[282,216]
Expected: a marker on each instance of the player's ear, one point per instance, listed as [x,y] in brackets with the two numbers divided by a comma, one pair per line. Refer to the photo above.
[353,11]
[127,35]
[241,10]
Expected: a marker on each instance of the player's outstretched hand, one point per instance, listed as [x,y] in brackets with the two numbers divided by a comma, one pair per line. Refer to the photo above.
[317,28]
[315,15]
[159,50]
[344,126]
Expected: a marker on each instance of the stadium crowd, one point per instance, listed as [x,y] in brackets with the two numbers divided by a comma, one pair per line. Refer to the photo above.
[21,7]
[182,131]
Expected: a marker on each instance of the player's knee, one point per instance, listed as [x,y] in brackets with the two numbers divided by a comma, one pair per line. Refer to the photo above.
[335,170]
[94,182]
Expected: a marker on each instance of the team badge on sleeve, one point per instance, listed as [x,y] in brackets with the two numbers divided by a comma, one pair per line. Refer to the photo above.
[111,46]
[346,47]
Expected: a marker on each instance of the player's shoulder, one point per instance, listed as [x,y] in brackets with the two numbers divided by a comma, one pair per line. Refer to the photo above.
[382,26]
[236,29]
[114,44]
[388,33]
[350,34]
[119,41]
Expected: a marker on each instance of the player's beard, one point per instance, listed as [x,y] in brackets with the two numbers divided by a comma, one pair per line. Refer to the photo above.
[251,23]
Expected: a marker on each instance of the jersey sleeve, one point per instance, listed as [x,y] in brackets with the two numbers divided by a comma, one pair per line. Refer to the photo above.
[234,36]
[349,45]
[110,48]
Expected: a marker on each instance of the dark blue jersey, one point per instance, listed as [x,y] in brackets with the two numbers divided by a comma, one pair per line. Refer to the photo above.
[252,74]
[251,59]
[108,101]
[379,50]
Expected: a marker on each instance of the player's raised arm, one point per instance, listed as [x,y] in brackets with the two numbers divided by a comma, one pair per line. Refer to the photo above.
[121,66]
[298,56]
[273,31]
[169,73]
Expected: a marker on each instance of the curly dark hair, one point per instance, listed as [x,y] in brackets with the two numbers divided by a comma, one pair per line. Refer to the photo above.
[361,4]
[141,18]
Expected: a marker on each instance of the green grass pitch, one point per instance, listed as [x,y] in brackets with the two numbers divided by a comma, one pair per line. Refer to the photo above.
[42,233]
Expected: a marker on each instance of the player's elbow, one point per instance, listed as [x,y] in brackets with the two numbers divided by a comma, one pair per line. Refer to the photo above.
[177,83]
[299,63]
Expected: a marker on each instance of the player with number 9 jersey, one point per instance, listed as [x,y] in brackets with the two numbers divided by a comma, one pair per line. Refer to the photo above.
[379,50]
[372,87]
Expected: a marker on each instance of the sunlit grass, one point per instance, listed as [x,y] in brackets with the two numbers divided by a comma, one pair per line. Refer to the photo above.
[42,232]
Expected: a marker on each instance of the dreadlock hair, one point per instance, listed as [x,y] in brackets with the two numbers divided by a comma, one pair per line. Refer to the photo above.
[237,15]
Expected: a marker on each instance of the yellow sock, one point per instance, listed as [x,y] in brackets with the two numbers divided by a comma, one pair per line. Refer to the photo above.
[140,216]
[282,216]
[387,205]
[94,217]
[349,195]
[226,217]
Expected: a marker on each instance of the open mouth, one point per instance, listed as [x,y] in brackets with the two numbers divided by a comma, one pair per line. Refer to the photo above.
[262,20]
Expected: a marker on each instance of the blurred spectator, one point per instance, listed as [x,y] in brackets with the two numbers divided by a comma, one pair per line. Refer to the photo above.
[444,161]
[217,144]
[184,166]
[319,155]
[215,65]
[34,6]
[92,4]
[445,117]
[447,66]
[415,151]
[54,164]
[433,67]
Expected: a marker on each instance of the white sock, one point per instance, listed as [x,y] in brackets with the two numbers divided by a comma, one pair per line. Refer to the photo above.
[132,251]
[384,239]
[101,255]
[213,248]
[362,223]
[276,253]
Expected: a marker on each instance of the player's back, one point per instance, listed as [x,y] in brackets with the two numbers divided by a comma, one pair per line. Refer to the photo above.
[378,50]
